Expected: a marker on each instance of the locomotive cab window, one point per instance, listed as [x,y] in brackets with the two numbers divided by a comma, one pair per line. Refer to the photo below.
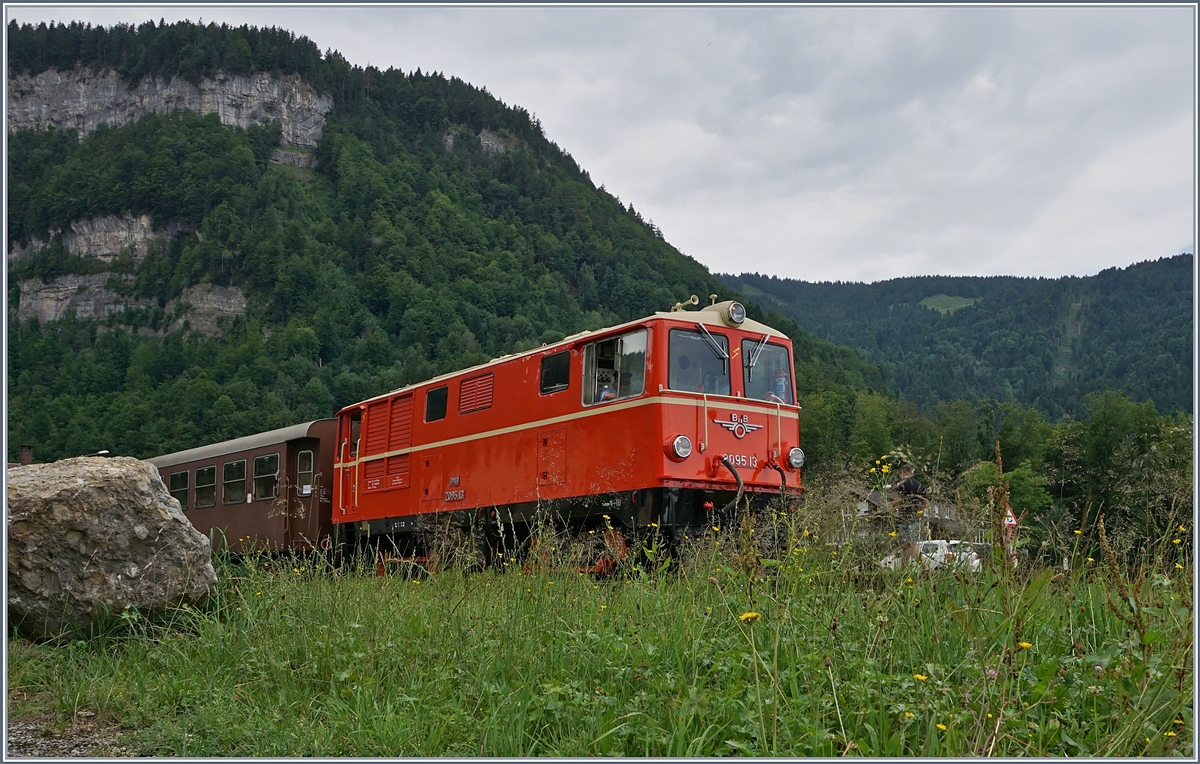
[179,487]
[206,487]
[615,369]
[556,372]
[767,371]
[304,472]
[266,476]
[233,477]
[699,362]
[435,403]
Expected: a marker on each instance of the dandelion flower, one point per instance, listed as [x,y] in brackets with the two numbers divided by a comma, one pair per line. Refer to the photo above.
[893,534]
[941,726]
[749,617]
[920,677]
[1177,541]
[877,461]
[1182,529]
[1024,645]
[1170,733]
[1179,566]
[908,714]
[884,469]
[871,471]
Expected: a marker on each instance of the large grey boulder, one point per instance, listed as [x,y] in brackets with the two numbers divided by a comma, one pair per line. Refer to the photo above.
[88,536]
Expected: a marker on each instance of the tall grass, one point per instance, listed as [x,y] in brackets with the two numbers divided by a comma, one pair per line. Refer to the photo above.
[762,640]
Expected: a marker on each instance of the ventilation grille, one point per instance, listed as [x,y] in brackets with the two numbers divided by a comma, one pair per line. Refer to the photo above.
[475,394]
[377,428]
[401,434]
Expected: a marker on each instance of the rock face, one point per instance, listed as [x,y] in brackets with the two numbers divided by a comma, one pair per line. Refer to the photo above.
[207,307]
[81,99]
[87,295]
[102,238]
[88,536]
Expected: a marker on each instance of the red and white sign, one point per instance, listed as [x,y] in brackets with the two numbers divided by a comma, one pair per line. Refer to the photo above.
[1008,517]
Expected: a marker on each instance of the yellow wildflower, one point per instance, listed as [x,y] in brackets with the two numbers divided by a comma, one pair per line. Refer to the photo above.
[1170,733]
[1177,541]
[749,617]
[715,528]
[1179,566]
[1182,529]
[892,533]
[941,726]
[885,468]
[1090,560]
[908,580]
[920,677]
[872,470]
[908,714]
[1024,645]
[1078,533]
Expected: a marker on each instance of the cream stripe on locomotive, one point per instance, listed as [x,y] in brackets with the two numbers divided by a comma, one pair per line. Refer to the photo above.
[723,402]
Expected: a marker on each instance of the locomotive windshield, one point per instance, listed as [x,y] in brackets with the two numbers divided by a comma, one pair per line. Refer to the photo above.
[767,371]
[699,363]
[615,369]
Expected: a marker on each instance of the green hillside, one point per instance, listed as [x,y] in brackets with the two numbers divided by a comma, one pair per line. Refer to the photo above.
[1046,343]
[395,259]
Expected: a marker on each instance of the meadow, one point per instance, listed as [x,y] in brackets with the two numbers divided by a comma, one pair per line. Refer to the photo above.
[759,640]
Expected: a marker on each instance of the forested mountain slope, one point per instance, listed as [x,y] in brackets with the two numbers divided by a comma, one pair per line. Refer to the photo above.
[431,228]
[1041,342]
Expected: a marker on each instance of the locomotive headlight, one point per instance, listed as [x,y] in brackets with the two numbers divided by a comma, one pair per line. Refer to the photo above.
[796,458]
[681,447]
[737,313]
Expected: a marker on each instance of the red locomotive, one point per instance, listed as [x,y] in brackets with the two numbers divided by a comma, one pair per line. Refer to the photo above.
[662,422]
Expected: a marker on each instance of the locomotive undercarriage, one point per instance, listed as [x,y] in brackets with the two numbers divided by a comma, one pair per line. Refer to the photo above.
[604,528]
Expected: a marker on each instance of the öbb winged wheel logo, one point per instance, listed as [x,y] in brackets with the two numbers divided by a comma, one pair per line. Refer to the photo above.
[739,426]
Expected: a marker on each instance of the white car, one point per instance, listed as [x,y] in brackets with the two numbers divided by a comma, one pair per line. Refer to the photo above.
[940,553]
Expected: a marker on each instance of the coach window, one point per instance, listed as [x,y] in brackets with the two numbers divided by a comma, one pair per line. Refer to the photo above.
[304,472]
[179,487]
[556,372]
[767,371]
[206,487]
[699,362]
[615,369]
[233,476]
[435,403]
[266,476]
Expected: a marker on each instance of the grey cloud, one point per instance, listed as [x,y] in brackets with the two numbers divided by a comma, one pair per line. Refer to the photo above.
[854,143]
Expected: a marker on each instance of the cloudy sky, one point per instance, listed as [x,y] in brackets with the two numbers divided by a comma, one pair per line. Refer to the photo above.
[832,143]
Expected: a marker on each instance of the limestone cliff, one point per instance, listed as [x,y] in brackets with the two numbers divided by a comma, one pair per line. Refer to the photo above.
[102,238]
[205,308]
[81,99]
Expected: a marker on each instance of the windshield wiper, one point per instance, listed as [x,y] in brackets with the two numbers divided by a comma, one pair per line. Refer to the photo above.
[718,350]
[751,359]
